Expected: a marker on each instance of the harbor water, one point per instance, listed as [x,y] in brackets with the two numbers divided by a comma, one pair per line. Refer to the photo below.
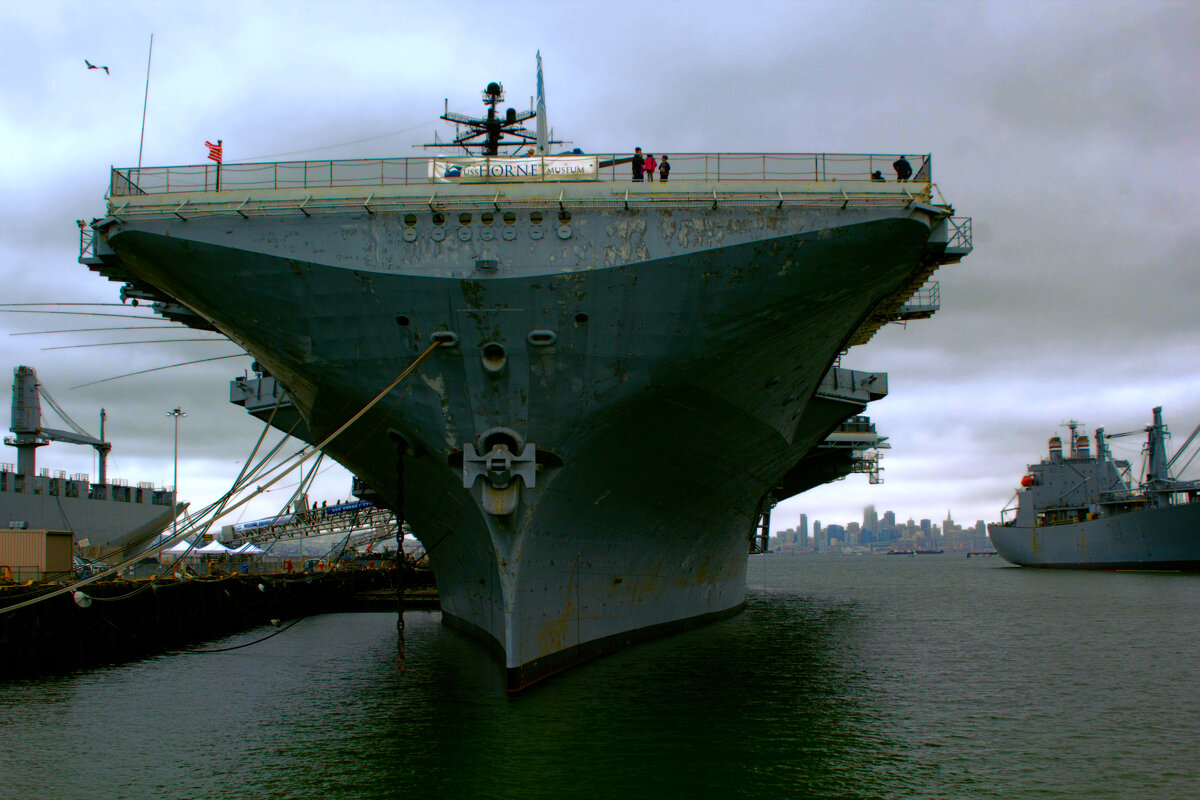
[845,677]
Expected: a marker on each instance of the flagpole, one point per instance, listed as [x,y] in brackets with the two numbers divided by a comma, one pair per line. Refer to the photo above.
[145,101]
[214,154]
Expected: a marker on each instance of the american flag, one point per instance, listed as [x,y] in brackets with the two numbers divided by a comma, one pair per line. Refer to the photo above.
[214,151]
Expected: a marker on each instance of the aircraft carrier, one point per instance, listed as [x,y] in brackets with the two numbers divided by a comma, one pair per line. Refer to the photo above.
[630,373]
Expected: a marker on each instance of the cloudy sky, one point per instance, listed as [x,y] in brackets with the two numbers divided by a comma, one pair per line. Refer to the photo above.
[1065,129]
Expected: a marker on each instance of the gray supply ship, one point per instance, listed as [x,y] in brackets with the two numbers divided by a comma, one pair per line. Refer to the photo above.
[631,373]
[1080,511]
[106,517]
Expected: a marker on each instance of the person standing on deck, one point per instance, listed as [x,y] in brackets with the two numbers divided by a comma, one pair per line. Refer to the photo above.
[650,165]
[664,169]
[639,164]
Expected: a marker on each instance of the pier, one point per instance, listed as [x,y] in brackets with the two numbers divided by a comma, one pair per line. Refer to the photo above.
[121,620]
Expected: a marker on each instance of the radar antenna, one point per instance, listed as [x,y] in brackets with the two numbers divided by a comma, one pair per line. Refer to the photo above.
[486,135]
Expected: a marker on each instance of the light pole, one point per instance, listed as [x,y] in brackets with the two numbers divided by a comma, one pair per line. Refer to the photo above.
[176,412]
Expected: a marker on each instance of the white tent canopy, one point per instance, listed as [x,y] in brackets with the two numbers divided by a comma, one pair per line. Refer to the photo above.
[247,549]
[181,547]
[213,548]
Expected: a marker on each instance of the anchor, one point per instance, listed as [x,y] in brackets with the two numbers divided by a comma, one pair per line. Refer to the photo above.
[500,494]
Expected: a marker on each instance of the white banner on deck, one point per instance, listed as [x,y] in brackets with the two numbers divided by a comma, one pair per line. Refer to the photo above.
[498,169]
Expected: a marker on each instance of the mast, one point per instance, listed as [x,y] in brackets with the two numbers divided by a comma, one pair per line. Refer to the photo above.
[102,450]
[26,421]
[1102,453]
[496,133]
[1156,452]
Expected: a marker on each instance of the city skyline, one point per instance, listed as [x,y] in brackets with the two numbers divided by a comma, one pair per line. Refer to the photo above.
[878,532]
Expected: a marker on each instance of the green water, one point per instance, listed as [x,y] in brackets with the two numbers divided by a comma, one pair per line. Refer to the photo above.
[855,677]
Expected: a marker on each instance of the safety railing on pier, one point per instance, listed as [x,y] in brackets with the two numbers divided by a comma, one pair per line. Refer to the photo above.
[23,574]
[614,167]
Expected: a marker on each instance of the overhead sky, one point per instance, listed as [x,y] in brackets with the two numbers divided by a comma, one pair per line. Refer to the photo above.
[1066,130]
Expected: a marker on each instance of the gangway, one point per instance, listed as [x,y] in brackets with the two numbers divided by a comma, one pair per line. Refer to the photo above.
[361,521]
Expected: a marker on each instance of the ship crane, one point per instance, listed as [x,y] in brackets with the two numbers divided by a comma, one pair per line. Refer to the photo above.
[1158,466]
[31,434]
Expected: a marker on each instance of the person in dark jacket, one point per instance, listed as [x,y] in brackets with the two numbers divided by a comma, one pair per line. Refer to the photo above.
[903,169]
[639,164]
[664,169]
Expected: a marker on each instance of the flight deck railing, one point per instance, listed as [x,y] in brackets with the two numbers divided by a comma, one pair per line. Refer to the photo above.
[613,168]
[923,303]
[961,235]
[87,240]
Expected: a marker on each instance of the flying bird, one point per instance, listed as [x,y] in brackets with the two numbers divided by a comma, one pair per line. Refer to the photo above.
[90,65]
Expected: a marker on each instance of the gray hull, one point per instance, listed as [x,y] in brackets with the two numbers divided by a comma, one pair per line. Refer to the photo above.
[671,366]
[103,517]
[1158,538]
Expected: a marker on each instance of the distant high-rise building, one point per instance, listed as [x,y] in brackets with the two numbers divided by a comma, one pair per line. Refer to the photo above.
[870,521]
[802,531]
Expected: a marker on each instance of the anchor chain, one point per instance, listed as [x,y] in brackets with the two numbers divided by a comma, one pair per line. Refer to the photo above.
[401,560]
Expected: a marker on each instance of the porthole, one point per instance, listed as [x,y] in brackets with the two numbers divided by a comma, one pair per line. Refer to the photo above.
[487,218]
[464,219]
[564,216]
[402,321]
[536,218]
[410,220]
[509,218]
[439,218]
[581,318]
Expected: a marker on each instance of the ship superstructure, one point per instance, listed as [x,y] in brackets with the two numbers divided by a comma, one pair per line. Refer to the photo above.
[1082,511]
[105,517]
[630,374]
